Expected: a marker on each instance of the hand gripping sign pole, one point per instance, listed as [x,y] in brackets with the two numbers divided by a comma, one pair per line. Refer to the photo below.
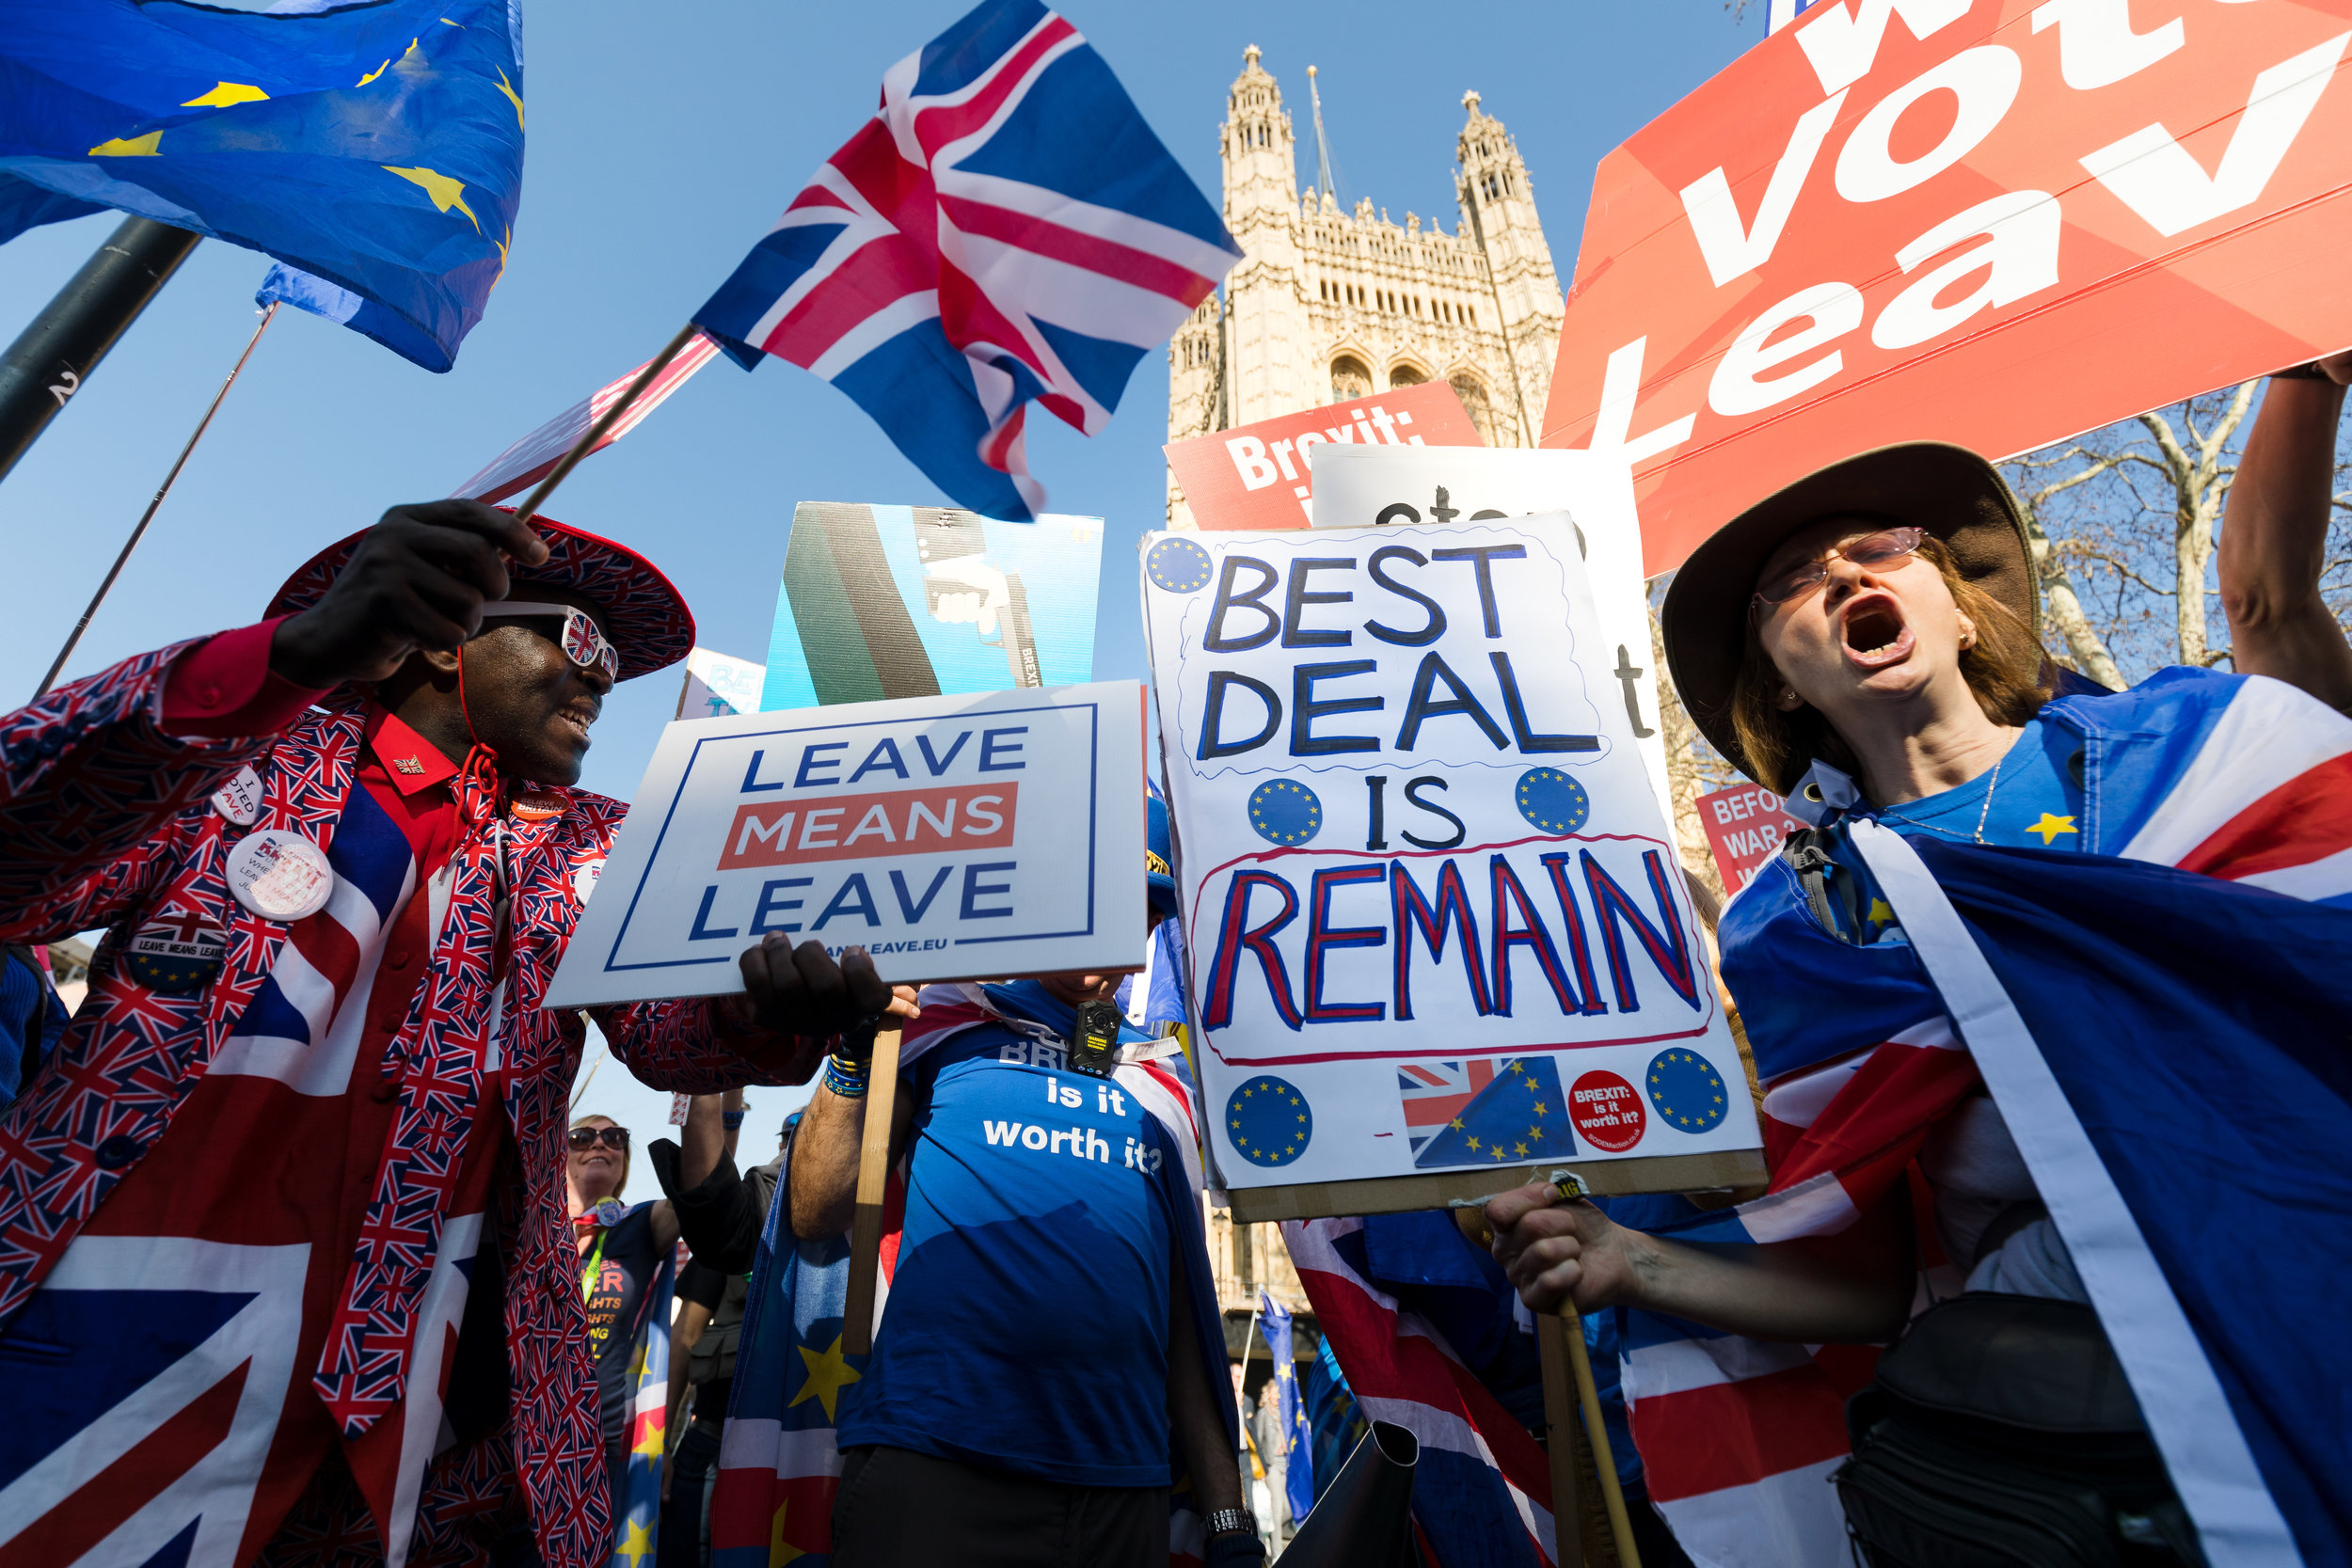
[1567,1330]
[873,1180]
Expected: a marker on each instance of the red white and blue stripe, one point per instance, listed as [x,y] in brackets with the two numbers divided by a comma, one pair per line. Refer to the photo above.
[2158,1019]
[1005,229]
[1482,1496]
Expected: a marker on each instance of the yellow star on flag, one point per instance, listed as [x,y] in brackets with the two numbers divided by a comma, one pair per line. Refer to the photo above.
[2050,827]
[1472,1142]
[781,1551]
[1455,1124]
[446,192]
[635,1546]
[1497,1151]
[226,94]
[1879,912]
[827,1375]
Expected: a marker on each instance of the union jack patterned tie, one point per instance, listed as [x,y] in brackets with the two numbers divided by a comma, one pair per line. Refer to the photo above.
[442,1053]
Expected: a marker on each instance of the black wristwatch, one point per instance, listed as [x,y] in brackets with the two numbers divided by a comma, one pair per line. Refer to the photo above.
[1226,1521]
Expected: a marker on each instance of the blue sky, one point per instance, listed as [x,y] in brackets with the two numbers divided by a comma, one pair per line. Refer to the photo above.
[662,142]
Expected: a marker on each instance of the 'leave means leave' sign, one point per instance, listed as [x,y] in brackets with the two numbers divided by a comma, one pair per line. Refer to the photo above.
[955,837]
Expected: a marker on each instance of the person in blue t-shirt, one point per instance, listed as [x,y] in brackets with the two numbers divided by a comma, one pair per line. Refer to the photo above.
[1042,1375]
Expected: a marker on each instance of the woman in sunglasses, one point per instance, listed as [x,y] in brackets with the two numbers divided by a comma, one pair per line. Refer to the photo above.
[1864,643]
[622,1247]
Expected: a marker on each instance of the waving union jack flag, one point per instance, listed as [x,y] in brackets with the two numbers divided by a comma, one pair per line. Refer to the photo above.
[1005,229]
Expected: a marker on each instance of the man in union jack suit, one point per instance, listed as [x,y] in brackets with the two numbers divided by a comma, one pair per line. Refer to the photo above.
[285,1273]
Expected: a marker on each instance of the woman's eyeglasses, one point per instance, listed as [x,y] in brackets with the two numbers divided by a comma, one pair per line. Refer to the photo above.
[1872,549]
[581,642]
[584,1138]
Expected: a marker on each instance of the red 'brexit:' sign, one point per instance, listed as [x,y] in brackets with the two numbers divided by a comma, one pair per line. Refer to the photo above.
[1992,222]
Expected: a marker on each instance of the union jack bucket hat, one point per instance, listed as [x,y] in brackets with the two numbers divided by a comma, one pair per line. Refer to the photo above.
[646,618]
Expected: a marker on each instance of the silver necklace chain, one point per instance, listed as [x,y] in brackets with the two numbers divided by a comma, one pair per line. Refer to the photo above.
[1983,813]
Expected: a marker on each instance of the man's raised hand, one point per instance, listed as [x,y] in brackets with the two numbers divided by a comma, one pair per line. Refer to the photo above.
[419,580]
[804,991]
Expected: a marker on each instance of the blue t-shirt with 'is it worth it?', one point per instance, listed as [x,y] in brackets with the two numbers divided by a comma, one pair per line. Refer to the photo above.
[1027,1326]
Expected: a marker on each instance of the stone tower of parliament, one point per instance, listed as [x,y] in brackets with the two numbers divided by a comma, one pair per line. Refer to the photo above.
[1328,305]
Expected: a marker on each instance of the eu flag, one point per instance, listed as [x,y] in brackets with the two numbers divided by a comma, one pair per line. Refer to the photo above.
[1485,1113]
[375,149]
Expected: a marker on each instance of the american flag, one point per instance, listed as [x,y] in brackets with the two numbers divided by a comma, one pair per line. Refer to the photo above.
[2181,1029]
[529,460]
[1005,229]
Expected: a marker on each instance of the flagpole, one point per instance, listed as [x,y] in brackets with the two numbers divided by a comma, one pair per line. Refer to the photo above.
[605,422]
[54,357]
[873,1182]
[148,517]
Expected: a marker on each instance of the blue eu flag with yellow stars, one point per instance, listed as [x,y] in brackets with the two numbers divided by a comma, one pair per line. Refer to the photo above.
[1486,1113]
[375,149]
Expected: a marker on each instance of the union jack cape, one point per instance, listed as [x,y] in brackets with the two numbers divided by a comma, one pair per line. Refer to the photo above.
[779,1463]
[2158,1019]
[1481,1494]
[1005,229]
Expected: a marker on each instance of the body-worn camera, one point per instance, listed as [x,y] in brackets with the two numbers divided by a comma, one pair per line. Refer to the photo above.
[1095,1044]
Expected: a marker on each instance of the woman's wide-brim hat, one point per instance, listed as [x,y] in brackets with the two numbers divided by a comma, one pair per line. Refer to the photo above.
[646,618]
[1949,491]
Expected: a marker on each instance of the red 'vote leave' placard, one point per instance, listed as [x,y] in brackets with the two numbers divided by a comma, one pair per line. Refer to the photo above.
[1993,222]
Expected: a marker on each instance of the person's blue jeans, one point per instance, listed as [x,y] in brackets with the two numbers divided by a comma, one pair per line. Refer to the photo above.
[685,1517]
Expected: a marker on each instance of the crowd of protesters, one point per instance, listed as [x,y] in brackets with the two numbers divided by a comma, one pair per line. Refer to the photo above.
[338,852]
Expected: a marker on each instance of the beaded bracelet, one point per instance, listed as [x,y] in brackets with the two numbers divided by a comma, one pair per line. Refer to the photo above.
[844,1077]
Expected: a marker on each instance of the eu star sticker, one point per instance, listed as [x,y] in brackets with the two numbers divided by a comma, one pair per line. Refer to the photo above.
[1178,565]
[1687,1090]
[1268,1121]
[2050,827]
[1285,812]
[1553,801]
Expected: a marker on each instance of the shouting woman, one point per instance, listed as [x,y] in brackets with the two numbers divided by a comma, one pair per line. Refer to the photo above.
[2047,955]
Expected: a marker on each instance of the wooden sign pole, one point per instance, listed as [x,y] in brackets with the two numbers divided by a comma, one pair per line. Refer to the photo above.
[873,1180]
[1568,1509]
[1604,1463]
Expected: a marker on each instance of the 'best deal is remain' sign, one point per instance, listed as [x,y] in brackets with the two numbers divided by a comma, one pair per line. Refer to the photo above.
[953,837]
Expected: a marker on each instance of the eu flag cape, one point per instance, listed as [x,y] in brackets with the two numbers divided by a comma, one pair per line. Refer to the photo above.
[2159,1020]
[375,148]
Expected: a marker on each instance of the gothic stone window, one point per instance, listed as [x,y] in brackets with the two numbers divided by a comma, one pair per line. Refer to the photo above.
[1350,378]
[1405,376]
[1473,395]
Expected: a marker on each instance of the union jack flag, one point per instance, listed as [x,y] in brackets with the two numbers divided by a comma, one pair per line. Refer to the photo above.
[2167,1017]
[1005,229]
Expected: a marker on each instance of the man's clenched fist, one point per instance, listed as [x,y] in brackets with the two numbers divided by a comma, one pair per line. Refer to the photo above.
[419,580]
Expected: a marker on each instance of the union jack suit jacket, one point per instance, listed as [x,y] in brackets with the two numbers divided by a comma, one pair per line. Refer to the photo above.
[106,822]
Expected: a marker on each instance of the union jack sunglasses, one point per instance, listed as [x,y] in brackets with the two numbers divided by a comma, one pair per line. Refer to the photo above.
[581,642]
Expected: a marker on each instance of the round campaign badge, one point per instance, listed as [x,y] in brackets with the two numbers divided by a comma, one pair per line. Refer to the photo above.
[532,806]
[1607,1112]
[176,952]
[1687,1090]
[280,875]
[585,878]
[609,1212]
[1178,565]
[240,798]
[1268,1121]
[1553,801]
[1285,812]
